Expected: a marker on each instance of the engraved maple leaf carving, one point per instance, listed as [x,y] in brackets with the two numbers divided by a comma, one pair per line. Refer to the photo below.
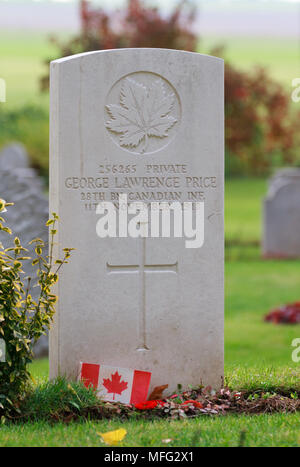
[115,385]
[143,113]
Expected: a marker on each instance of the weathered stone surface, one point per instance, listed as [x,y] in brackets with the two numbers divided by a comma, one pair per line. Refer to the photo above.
[282,215]
[150,303]
[21,185]
[13,156]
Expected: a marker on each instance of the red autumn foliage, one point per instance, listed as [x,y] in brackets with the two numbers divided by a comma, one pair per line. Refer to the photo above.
[287,314]
[261,130]
[139,26]
[115,385]
[135,26]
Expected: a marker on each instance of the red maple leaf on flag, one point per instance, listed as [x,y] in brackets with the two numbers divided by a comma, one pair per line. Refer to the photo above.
[115,385]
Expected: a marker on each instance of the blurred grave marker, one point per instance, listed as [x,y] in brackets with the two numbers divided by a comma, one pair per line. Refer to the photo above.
[281,219]
[20,184]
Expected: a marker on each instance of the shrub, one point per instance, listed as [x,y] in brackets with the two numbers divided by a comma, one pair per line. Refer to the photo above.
[22,320]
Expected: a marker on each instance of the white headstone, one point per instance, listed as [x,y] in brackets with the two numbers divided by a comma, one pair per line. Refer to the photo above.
[148,123]
[281,237]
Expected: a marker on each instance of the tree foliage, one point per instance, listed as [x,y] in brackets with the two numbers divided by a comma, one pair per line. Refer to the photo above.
[262,130]
[135,26]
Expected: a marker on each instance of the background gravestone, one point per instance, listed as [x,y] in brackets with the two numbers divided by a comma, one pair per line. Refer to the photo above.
[21,185]
[282,215]
[150,304]
[13,157]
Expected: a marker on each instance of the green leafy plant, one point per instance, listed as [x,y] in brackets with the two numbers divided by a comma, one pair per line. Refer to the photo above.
[22,319]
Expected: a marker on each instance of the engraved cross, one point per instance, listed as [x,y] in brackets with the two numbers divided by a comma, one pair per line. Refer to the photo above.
[142,269]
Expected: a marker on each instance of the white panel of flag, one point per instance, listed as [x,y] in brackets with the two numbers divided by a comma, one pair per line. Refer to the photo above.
[116,384]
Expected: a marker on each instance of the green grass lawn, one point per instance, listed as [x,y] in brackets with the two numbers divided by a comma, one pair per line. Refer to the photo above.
[260,430]
[22,57]
[243,206]
[253,288]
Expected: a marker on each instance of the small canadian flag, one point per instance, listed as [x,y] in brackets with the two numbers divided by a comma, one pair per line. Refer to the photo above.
[116,384]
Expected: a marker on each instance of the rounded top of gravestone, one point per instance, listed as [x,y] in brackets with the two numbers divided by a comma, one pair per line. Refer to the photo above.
[287,172]
[13,156]
[281,178]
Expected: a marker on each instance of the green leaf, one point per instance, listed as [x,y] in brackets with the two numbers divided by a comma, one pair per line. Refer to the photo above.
[38,250]
[74,404]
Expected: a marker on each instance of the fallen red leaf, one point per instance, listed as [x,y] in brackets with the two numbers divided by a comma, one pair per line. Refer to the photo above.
[195,403]
[157,392]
